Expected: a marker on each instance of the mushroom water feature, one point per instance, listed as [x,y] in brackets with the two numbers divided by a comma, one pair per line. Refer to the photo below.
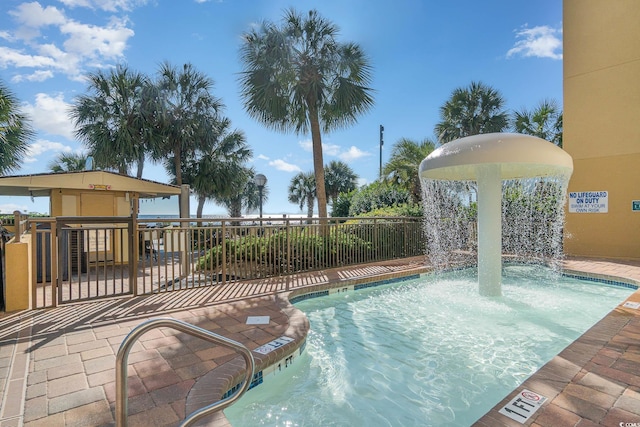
[489,160]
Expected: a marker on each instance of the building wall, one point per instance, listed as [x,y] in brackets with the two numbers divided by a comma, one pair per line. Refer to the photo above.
[67,202]
[602,123]
[18,274]
[85,203]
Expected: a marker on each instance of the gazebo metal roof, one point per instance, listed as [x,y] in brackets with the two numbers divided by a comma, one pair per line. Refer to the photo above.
[38,185]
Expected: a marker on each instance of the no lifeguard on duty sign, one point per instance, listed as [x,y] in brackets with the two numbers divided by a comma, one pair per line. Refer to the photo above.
[589,202]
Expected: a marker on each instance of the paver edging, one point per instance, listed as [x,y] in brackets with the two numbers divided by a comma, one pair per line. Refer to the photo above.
[216,383]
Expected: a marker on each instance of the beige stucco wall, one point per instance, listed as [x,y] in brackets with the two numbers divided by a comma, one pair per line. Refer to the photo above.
[66,202]
[18,274]
[90,203]
[602,123]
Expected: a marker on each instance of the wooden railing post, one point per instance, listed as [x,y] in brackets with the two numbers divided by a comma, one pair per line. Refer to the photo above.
[289,269]
[224,252]
[34,262]
[17,223]
[134,245]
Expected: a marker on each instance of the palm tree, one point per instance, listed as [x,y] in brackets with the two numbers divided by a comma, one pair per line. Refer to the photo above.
[66,162]
[302,190]
[402,167]
[244,194]
[471,111]
[298,77]
[212,171]
[185,114]
[15,132]
[110,122]
[339,178]
[544,121]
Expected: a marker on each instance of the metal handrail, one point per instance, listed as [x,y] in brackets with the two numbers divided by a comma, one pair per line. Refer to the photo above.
[132,337]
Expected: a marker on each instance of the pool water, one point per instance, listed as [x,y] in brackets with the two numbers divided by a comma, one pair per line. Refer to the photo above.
[428,352]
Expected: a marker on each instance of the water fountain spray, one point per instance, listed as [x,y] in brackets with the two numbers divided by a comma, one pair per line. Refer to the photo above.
[489,159]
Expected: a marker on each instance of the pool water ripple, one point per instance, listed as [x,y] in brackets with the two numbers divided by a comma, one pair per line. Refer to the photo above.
[425,352]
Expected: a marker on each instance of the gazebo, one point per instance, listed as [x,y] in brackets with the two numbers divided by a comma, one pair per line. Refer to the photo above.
[90,204]
[87,193]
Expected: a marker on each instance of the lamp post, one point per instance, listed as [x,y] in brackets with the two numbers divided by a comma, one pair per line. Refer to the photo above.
[260,181]
[381,144]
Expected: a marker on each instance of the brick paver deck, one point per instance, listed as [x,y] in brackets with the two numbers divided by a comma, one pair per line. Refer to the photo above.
[57,366]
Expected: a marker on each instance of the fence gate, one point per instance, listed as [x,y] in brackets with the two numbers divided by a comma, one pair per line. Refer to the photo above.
[80,259]
[95,258]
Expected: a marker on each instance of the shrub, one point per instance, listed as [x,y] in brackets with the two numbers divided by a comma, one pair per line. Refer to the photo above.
[308,250]
[407,210]
[342,204]
[377,195]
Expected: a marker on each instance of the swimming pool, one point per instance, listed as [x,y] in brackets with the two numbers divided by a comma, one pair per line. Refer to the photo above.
[425,352]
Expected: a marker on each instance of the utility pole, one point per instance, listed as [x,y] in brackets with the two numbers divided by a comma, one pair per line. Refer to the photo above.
[260,180]
[381,144]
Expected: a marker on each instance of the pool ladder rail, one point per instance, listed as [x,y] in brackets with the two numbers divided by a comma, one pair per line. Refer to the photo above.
[138,331]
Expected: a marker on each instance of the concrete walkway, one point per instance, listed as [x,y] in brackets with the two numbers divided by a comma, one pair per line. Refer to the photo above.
[57,366]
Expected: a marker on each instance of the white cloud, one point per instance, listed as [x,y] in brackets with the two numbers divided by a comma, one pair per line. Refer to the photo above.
[7,36]
[331,149]
[328,149]
[42,146]
[262,157]
[51,114]
[9,208]
[352,154]
[76,3]
[107,5]
[37,76]
[306,145]
[90,40]
[541,42]
[281,165]
[33,15]
[53,42]
[63,61]
[13,57]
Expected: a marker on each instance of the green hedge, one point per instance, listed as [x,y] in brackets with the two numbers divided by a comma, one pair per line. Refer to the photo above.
[308,249]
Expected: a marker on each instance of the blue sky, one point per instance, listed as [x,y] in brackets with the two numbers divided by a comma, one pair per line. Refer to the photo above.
[421,50]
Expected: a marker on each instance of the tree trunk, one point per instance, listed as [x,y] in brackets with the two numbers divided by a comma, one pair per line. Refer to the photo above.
[310,209]
[318,163]
[201,200]
[140,165]
[178,165]
[235,210]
